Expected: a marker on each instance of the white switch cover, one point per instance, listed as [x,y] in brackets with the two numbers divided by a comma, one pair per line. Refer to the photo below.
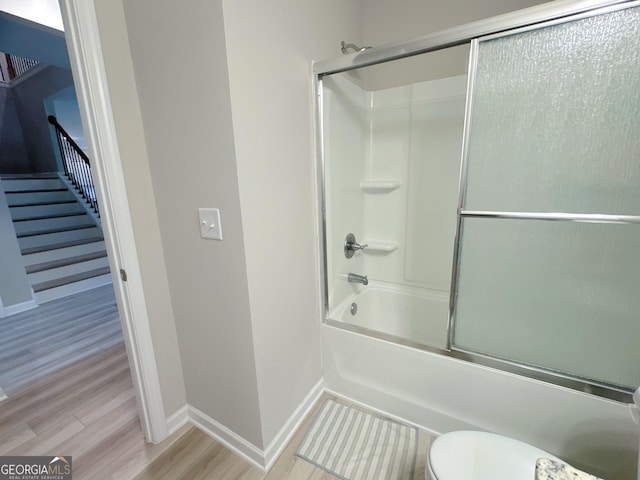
[210,226]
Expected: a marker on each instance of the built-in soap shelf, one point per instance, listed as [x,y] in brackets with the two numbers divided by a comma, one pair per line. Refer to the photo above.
[379,186]
[382,246]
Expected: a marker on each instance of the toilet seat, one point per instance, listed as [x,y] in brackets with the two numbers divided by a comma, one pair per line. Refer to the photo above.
[468,455]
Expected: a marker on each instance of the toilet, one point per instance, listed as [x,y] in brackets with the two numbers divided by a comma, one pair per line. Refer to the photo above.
[470,455]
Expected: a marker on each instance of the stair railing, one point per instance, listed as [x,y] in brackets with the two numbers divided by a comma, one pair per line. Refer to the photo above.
[76,164]
[13,66]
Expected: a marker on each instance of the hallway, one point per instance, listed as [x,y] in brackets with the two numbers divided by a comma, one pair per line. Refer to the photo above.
[36,343]
[88,411]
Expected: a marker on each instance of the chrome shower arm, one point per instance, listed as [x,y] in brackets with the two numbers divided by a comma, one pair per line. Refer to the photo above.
[344,47]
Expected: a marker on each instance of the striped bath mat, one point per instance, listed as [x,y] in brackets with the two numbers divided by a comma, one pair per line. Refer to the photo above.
[354,445]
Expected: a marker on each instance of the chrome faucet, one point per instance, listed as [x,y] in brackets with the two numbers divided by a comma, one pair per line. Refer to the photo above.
[355,278]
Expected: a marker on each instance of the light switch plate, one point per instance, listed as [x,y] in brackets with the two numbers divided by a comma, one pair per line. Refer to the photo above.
[210,226]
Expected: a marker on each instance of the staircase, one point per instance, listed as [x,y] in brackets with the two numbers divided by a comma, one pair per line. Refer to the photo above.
[62,245]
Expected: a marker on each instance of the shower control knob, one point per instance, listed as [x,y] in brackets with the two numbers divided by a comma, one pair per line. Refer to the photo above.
[350,245]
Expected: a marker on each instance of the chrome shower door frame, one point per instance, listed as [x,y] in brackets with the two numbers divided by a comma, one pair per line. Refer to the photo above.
[503,25]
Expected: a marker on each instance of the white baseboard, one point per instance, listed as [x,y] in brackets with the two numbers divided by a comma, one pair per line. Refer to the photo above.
[5,311]
[3,396]
[282,438]
[178,419]
[229,439]
[264,460]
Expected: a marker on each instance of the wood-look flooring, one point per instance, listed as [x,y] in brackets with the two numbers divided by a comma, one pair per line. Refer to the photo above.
[56,334]
[86,408]
[197,456]
[88,411]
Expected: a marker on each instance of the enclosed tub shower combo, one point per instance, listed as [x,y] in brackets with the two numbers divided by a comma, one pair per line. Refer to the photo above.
[480,203]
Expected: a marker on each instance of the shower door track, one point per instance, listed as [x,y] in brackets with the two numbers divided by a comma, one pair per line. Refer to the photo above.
[544,374]
[558,12]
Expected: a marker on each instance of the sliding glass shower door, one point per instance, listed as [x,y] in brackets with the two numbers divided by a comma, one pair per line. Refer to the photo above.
[548,252]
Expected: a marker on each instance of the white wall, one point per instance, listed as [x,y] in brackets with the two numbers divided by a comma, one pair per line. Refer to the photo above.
[178,50]
[247,308]
[142,202]
[385,21]
[270,46]
[449,62]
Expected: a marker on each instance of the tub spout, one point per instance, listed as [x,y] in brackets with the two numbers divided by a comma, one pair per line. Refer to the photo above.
[355,278]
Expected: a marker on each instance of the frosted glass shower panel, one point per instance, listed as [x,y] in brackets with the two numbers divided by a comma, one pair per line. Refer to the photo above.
[559,295]
[554,123]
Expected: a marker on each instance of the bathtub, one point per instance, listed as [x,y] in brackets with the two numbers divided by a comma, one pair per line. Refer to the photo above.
[409,313]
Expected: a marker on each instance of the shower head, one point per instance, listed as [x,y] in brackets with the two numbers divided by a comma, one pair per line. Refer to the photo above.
[344,47]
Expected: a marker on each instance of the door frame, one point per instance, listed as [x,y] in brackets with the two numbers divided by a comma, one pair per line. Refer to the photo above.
[89,75]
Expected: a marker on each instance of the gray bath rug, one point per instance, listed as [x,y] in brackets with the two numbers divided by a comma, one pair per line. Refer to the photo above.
[354,445]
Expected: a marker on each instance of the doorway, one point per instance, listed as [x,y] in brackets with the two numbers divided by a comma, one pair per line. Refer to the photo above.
[91,86]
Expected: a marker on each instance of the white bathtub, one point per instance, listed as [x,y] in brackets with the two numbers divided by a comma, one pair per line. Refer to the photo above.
[405,312]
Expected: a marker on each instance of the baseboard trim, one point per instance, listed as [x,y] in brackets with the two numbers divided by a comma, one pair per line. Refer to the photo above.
[5,311]
[178,419]
[228,438]
[263,460]
[283,437]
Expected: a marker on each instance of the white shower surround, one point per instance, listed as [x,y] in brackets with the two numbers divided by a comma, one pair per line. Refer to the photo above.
[391,178]
[442,393]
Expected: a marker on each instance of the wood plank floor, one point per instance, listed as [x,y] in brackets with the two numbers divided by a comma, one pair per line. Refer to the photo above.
[197,456]
[82,404]
[88,411]
[56,334]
